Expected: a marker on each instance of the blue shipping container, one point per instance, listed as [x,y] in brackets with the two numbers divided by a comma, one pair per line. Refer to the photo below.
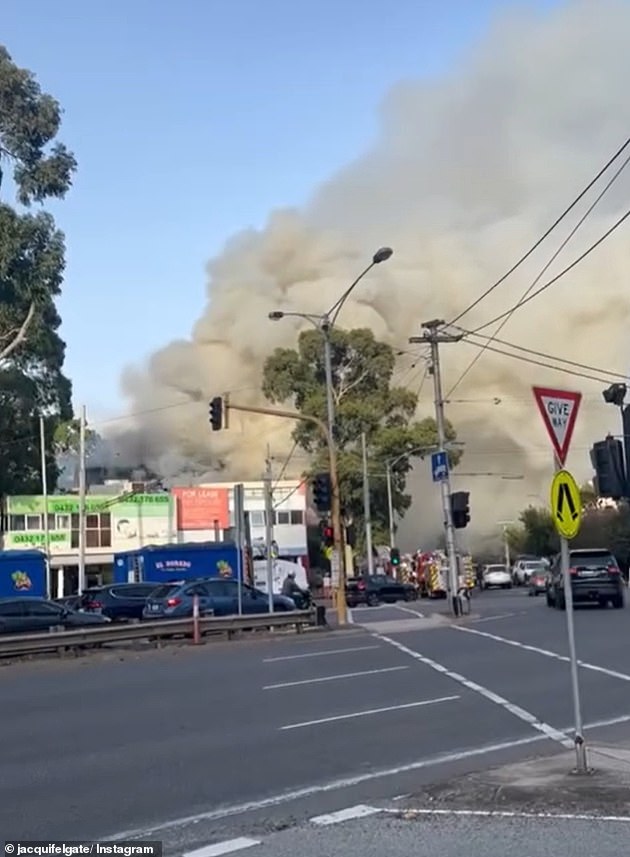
[161,563]
[22,573]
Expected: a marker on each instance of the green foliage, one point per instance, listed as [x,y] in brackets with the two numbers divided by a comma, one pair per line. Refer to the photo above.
[536,533]
[67,438]
[365,401]
[31,274]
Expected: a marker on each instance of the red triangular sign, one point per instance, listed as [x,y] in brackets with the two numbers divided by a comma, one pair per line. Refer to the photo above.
[559,410]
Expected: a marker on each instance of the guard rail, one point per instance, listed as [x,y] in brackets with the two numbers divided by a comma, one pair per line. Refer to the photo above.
[30,644]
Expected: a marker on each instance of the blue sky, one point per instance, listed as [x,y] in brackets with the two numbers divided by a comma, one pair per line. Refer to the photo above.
[191,121]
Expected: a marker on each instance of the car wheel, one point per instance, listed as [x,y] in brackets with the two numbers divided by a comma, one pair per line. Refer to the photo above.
[550,599]
[531,594]
[617,602]
[560,601]
[372,600]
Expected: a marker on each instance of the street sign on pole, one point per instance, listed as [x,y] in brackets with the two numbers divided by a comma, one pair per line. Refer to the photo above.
[439,466]
[566,505]
[559,410]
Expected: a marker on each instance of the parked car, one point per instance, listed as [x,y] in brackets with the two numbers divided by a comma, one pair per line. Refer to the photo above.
[38,615]
[538,582]
[120,602]
[217,597]
[496,576]
[595,578]
[376,589]
[525,568]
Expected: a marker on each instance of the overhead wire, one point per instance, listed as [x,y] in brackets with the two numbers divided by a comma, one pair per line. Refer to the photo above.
[540,275]
[545,235]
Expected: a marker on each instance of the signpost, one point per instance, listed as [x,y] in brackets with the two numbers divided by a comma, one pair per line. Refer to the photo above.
[439,466]
[559,409]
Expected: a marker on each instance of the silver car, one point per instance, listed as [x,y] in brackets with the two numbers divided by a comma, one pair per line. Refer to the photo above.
[496,576]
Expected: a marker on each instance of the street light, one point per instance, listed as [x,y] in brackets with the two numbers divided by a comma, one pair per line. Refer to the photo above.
[325,323]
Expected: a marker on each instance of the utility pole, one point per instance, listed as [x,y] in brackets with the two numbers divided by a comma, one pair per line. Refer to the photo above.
[269,526]
[434,337]
[42,447]
[366,506]
[390,505]
[82,499]
[506,545]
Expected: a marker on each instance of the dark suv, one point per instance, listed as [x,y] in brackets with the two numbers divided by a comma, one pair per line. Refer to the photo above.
[595,578]
[120,602]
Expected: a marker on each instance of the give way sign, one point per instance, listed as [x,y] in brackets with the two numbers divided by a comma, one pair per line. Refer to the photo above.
[559,410]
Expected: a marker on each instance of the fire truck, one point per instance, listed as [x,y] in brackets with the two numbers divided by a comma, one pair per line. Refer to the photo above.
[432,572]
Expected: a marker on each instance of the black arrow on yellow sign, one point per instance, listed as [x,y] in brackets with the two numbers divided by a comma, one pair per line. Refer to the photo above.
[564,496]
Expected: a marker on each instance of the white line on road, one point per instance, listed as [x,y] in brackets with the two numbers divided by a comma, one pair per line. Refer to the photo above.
[319,654]
[546,652]
[349,782]
[516,710]
[496,618]
[409,610]
[500,813]
[332,677]
[368,712]
[360,811]
[228,846]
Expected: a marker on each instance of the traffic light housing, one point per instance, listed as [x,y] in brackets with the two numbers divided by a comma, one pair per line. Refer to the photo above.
[322,493]
[394,556]
[328,536]
[216,413]
[460,509]
[608,464]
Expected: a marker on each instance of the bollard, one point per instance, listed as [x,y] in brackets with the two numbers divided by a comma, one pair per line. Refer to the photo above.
[196,630]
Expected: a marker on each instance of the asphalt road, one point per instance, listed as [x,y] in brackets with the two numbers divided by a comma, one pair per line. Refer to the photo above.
[242,738]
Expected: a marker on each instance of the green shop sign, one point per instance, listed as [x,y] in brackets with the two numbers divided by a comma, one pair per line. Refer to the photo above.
[36,539]
[134,505]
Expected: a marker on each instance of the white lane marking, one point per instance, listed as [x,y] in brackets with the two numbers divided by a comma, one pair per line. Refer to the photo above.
[332,678]
[349,782]
[496,618]
[360,811]
[228,846]
[319,654]
[516,710]
[368,712]
[500,813]
[409,610]
[350,617]
[549,654]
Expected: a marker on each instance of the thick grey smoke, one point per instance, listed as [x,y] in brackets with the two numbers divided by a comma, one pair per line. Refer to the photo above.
[467,172]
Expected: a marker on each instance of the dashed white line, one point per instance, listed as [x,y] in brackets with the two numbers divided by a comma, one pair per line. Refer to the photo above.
[516,710]
[500,813]
[546,652]
[332,677]
[360,811]
[228,846]
[319,654]
[368,712]
[351,782]
[496,618]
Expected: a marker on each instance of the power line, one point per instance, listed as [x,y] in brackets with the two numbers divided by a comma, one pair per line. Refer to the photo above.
[555,279]
[544,270]
[283,469]
[535,353]
[535,246]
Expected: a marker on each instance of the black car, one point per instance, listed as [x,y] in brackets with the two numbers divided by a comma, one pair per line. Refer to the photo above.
[595,578]
[120,602]
[376,589]
[30,615]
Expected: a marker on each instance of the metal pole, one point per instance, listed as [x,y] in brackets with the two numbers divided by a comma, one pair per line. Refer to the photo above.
[390,506]
[330,389]
[82,500]
[269,527]
[506,546]
[445,484]
[580,746]
[239,507]
[366,506]
[42,446]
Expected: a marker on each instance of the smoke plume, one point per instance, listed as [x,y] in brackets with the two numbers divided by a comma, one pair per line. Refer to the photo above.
[468,171]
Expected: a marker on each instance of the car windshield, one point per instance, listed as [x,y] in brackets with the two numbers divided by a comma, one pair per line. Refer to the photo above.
[534,566]
[494,569]
[164,591]
[592,559]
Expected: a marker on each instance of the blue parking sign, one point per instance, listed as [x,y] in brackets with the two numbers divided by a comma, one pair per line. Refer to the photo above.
[439,466]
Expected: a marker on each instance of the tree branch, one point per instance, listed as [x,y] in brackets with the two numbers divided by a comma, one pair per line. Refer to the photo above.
[20,336]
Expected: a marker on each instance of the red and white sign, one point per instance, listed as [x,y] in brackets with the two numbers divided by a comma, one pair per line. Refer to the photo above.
[559,410]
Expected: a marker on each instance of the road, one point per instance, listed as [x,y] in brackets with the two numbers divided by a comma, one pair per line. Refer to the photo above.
[242,739]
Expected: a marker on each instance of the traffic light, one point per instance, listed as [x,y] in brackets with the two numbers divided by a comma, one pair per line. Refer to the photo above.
[394,556]
[328,536]
[608,464]
[216,413]
[322,492]
[460,509]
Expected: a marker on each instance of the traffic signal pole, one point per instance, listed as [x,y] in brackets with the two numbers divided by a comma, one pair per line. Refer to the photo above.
[434,338]
[335,505]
